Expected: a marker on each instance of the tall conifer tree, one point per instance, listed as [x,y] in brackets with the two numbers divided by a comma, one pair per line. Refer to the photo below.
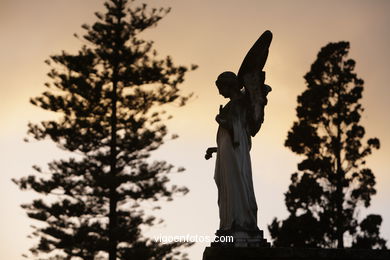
[108,97]
[332,181]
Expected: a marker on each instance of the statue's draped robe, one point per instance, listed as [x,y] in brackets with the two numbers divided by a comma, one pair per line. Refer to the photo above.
[233,173]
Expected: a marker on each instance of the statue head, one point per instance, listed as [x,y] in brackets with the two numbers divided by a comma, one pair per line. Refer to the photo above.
[228,84]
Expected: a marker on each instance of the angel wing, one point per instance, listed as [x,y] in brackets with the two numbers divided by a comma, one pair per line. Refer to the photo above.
[252,78]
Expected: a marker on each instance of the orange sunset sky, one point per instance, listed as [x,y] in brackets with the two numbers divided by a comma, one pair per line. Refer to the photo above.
[214,34]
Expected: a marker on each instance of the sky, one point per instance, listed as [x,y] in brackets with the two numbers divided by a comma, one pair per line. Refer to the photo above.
[216,36]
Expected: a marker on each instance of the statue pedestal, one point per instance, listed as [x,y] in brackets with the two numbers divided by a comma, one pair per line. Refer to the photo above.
[286,253]
[240,239]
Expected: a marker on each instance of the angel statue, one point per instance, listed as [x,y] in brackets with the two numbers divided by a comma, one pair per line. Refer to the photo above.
[239,120]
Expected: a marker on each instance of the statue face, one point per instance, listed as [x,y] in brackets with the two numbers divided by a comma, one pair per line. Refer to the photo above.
[224,90]
[226,86]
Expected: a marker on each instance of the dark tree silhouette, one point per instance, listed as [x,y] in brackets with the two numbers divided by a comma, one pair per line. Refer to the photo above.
[109,97]
[332,181]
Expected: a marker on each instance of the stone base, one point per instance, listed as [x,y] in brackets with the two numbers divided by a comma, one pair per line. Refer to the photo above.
[241,239]
[284,253]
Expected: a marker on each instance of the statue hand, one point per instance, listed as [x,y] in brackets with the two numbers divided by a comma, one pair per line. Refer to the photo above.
[209,152]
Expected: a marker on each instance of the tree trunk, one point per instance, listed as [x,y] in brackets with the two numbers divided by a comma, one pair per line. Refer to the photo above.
[339,178]
[112,227]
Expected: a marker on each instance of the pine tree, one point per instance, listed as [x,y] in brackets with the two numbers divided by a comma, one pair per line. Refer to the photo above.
[109,99]
[332,181]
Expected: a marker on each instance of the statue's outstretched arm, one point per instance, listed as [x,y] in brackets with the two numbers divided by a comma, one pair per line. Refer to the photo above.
[209,152]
